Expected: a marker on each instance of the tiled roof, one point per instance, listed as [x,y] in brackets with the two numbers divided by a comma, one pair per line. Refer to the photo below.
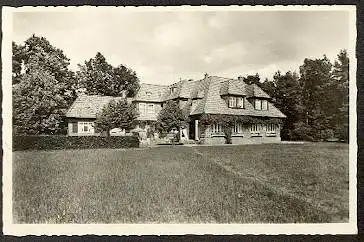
[233,87]
[212,103]
[151,93]
[208,92]
[187,88]
[258,92]
[183,89]
[88,106]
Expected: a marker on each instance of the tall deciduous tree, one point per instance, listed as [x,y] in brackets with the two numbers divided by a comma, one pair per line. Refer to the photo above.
[116,114]
[315,78]
[98,77]
[171,116]
[42,87]
[288,99]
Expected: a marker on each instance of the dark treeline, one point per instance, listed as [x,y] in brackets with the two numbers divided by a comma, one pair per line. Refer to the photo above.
[315,100]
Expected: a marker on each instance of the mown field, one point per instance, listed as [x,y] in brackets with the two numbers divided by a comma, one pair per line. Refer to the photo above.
[270,183]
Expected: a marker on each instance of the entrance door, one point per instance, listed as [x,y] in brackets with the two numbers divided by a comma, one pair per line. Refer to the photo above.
[192,130]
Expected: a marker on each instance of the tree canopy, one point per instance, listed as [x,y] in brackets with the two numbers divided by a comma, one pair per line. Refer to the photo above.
[43,87]
[171,116]
[98,77]
[116,114]
[315,101]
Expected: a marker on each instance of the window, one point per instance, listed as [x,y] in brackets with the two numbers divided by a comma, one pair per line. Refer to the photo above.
[258,104]
[238,128]
[86,127]
[236,102]
[264,105]
[239,102]
[74,128]
[150,108]
[141,107]
[271,128]
[255,129]
[232,102]
[216,128]
[261,104]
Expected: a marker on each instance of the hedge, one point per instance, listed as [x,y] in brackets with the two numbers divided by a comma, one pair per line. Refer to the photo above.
[73,142]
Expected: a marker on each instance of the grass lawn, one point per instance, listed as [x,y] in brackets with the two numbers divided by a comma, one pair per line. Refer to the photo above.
[270,183]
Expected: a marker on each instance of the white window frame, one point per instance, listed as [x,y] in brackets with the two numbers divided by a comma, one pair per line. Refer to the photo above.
[216,128]
[233,102]
[258,104]
[264,105]
[271,128]
[255,129]
[238,128]
[89,125]
[241,102]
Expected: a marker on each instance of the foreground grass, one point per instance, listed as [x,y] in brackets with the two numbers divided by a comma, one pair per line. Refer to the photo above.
[182,185]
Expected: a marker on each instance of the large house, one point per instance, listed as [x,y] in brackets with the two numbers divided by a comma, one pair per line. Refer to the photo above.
[211,95]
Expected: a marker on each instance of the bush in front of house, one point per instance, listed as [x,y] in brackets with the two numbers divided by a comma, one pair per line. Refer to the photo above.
[73,142]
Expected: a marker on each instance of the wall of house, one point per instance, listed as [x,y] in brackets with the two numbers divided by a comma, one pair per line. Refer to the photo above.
[245,137]
[78,122]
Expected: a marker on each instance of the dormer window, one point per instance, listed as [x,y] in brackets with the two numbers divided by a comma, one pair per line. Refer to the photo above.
[235,102]
[148,93]
[260,104]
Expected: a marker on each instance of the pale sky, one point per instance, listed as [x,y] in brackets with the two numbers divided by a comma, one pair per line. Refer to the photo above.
[163,47]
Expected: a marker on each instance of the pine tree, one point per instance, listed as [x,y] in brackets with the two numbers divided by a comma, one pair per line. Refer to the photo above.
[341,75]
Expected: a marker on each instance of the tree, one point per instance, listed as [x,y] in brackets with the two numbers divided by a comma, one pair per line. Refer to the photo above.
[315,79]
[17,61]
[43,87]
[288,99]
[100,78]
[250,79]
[269,87]
[116,114]
[171,116]
[341,76]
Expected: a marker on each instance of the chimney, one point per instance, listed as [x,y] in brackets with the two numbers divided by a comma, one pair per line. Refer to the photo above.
[206,75]
[240,78]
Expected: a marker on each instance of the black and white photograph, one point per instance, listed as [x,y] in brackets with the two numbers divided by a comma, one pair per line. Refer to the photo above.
[179,120]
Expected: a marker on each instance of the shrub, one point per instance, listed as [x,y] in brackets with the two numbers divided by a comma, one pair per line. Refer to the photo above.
[73,142]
